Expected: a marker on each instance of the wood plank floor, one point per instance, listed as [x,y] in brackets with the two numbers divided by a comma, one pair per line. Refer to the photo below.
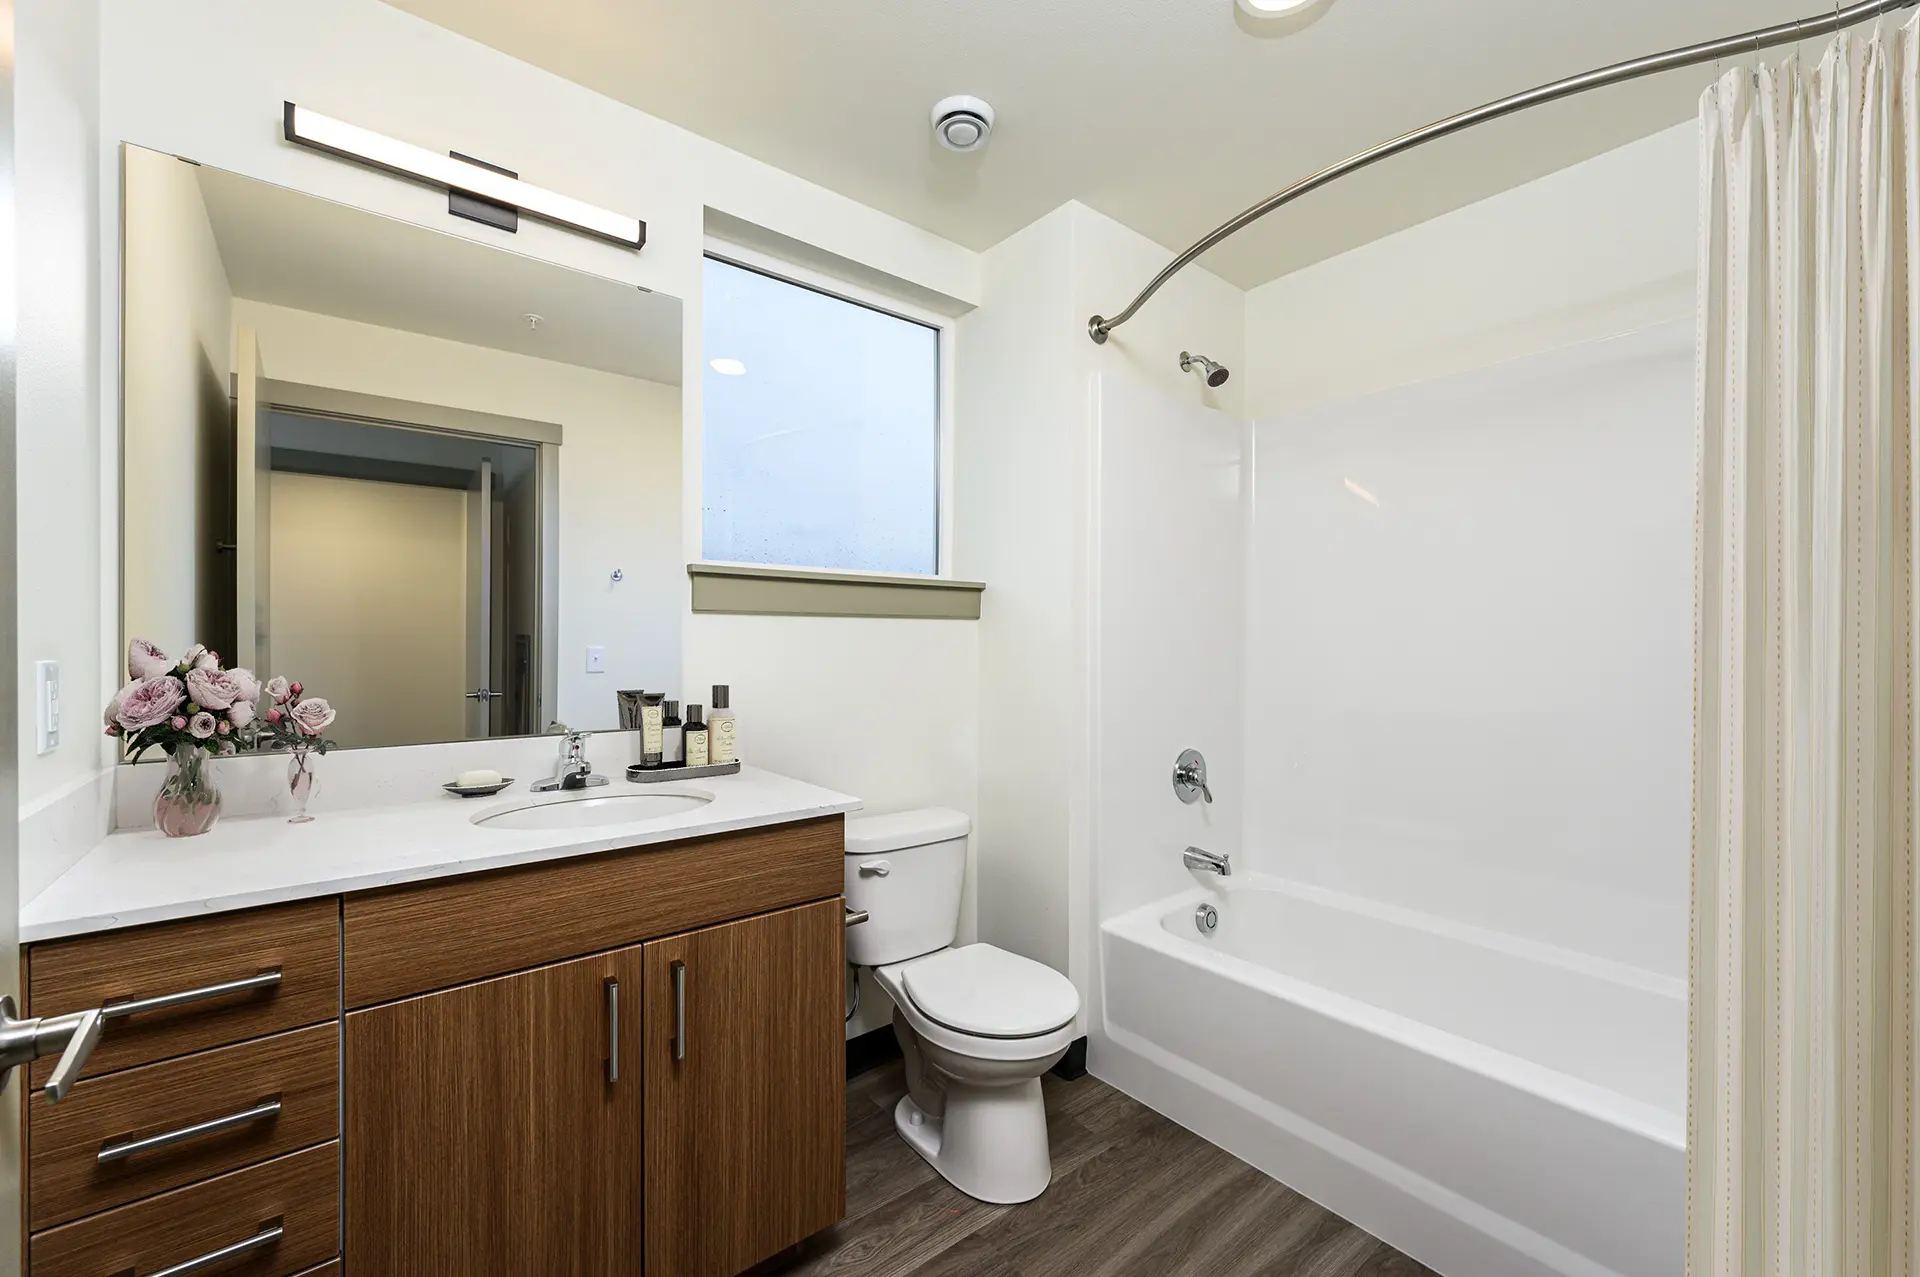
[1133,1195]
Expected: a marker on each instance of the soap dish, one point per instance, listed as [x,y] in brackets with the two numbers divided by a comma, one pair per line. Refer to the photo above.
[477,791]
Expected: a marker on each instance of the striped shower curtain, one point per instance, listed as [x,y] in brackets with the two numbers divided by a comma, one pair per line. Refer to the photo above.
[1802,1129]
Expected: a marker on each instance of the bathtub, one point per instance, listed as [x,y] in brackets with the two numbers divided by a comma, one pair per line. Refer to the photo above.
[1491,1105]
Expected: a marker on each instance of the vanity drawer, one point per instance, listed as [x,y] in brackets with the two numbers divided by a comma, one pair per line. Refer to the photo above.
[410,940]
[67,1178]
[298,1194]
[301,942]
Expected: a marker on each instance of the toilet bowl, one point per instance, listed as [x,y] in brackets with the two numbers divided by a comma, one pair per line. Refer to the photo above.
[977,1025]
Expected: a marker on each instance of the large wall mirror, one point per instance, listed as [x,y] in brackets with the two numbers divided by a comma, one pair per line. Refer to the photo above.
[436,481]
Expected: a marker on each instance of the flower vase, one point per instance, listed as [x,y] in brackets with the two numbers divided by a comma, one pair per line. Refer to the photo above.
[189,801]
[301,782]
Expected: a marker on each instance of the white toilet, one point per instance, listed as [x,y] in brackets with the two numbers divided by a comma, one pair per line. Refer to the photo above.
[977,1025]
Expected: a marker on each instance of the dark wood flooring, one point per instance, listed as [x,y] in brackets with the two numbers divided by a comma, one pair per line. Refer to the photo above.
[1133,1195]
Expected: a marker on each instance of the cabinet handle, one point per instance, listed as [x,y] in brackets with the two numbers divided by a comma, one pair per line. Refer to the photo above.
[123,1149]
[613,1029]
[137,1006]
[856,916]
[267,1236]
[679,970]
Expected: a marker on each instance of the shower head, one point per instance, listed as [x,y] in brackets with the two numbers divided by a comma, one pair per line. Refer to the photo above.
[1213,374]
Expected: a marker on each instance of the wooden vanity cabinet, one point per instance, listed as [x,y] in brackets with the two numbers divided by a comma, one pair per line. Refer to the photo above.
[495,1127]
[745,1071]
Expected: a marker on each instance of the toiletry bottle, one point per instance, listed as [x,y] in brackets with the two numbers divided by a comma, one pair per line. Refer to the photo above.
[695,735]
[672,748]
[722,747]
[652,727]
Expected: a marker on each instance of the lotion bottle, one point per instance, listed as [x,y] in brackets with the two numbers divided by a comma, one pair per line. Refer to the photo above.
[722,746]
[672,748]
[695,735]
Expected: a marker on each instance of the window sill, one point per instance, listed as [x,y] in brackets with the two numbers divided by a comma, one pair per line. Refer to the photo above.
[780,591]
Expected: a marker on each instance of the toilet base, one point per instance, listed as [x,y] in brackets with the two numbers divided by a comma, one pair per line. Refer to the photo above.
[991,1143]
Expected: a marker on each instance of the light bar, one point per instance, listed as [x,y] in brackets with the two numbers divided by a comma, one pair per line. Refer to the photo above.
[336,137]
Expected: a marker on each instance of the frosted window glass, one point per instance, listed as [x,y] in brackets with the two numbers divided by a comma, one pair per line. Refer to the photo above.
[825,451]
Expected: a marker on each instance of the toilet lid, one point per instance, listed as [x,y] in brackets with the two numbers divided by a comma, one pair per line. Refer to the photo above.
[991,993]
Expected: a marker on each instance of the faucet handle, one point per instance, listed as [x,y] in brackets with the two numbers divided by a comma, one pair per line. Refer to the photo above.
[1190,777]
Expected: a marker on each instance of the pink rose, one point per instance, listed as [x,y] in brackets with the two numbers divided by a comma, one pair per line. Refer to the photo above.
[178,723]
[295,688]
[274,716]
[144,660]
[208,660]
[277,689]
[150,702]
[249,686]
[241,714]
[311,716]
[201,726]
[212,688]
[192,657]
[224,728]
[112,716]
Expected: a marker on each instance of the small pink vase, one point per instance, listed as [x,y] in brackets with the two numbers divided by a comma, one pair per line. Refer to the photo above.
[301,782]
[189,801]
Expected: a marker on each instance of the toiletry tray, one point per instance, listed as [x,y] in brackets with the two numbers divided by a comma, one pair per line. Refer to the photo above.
[659,775]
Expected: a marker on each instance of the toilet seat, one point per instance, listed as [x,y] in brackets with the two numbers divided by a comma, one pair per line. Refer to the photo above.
[941,985]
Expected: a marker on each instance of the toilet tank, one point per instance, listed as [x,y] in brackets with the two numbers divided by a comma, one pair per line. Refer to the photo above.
[905,870]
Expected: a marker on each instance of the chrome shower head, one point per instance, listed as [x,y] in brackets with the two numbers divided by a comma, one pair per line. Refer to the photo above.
[1213,374]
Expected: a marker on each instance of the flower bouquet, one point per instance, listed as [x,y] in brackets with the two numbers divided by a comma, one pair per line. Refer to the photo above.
[296,723]
[193,710]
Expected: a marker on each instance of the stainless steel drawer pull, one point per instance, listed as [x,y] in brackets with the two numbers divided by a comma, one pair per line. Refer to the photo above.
[267,1236]
[856,916]
[613,1029]
[679,970]
[137,1006]
[120,1150]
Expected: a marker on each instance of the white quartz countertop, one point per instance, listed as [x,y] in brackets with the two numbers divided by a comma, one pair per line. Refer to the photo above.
[142,876]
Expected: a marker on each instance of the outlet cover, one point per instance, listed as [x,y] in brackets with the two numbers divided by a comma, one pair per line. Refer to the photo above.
[596,660]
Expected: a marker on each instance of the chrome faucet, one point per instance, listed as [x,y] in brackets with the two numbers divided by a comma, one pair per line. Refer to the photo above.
[1207,862]
[573,770]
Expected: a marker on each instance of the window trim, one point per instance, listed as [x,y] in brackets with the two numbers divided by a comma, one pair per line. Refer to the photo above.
[945,326]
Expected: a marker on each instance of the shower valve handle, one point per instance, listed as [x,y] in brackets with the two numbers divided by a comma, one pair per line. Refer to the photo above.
[1190,777]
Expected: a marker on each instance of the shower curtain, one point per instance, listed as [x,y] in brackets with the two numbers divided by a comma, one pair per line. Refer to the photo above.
[1802,1129]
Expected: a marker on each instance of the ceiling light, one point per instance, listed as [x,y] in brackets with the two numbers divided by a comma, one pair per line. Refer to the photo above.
[728,367]
[1274,8]
[336,137]
[962,122]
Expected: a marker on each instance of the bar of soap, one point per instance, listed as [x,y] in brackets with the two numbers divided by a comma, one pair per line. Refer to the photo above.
[476,779]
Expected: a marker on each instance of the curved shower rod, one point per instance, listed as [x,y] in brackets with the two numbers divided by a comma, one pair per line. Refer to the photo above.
[1100,327]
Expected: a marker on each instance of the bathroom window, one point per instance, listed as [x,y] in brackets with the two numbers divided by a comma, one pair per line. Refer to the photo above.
[821,427]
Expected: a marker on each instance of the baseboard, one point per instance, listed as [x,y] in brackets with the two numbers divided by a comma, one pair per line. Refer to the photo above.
[1073,1065]
[871,1050]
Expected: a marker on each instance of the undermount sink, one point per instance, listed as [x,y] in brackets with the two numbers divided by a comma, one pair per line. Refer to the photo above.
[588,812]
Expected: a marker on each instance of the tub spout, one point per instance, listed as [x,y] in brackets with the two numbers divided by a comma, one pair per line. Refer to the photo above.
[1207,862]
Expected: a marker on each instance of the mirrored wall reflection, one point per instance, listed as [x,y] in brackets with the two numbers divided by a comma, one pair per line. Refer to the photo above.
[436,481]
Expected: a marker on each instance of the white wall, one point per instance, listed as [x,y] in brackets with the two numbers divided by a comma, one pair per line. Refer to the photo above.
[63,470]
[177,405]
[1024,467]
[1472,620]
[1603,247]
[619,479]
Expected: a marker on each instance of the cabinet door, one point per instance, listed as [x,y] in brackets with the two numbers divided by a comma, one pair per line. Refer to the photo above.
[746,1090]
[489,1131]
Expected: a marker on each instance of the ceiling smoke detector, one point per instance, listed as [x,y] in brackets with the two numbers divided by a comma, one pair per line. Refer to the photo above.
[962,122]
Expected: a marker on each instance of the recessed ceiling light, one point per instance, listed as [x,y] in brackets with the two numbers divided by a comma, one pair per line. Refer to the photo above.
[1274,8]
[728,367]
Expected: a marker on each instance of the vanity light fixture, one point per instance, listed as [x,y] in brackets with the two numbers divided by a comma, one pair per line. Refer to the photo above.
[336,137]
[728,367]
[1274,8]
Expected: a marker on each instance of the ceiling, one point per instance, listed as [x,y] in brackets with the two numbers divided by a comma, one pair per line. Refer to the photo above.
[290,249]
[1169,115]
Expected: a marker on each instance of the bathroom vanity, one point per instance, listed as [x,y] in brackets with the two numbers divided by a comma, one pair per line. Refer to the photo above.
[396,1041]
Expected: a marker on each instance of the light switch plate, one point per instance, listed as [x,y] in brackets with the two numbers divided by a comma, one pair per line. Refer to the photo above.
[46,702]
[596,660]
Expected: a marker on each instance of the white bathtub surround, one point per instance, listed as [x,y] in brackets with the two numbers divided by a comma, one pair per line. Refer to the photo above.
[1491,1106]
[141,876]
[1803,1075]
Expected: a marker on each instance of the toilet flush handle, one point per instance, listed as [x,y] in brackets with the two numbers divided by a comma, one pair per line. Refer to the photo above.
[875,869]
